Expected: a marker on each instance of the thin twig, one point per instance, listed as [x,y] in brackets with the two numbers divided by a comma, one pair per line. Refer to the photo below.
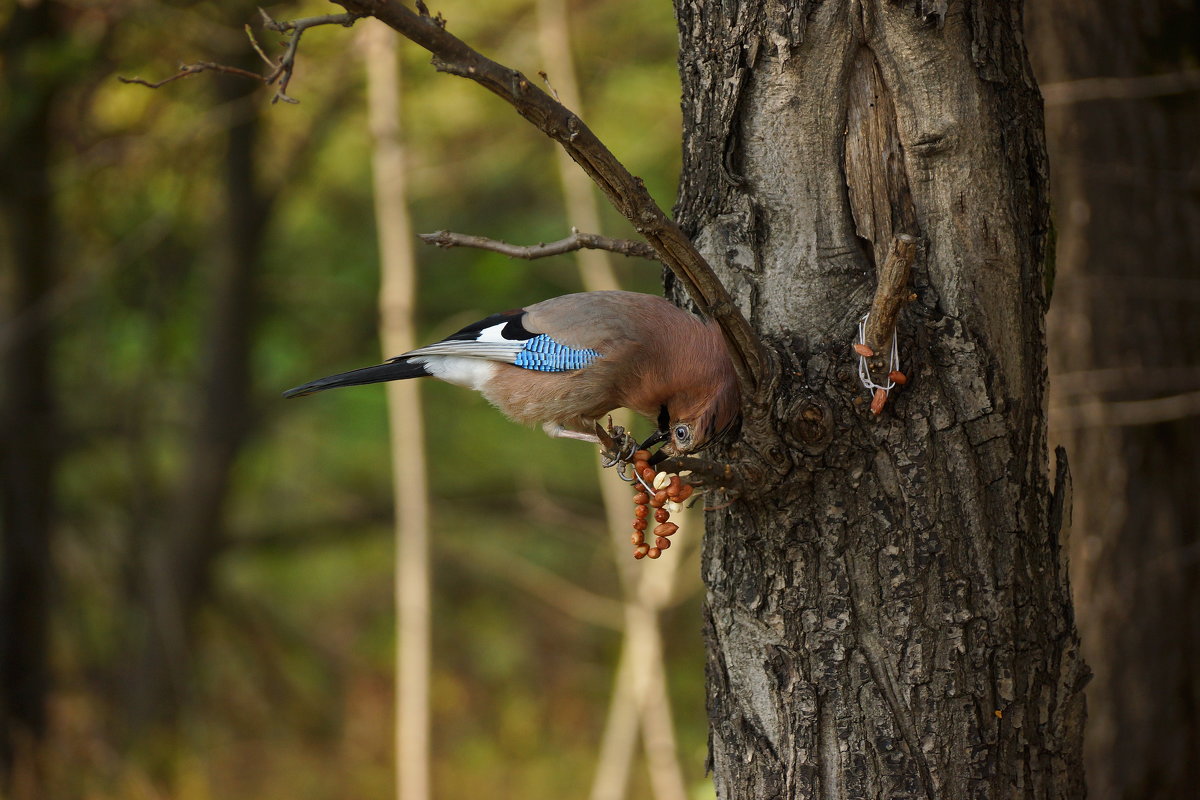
[281,71]
[195,69]
[297,27]
[546,80]
[576,241]
[627,193]
[257,48]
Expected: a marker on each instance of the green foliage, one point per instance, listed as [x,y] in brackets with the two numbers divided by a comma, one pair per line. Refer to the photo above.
[289,684]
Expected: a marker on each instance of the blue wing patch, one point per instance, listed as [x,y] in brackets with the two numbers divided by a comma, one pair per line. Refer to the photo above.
[543,354]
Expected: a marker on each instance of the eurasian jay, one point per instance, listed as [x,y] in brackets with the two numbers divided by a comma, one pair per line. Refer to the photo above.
[566,362]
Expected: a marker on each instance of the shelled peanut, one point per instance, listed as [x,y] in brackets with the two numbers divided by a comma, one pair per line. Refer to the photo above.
[667,488]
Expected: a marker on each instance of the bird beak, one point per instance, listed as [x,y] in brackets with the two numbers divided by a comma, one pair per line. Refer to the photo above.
[653,439]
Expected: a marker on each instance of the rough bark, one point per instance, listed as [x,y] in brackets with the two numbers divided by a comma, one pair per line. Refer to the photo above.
[1122,335]
[894,619]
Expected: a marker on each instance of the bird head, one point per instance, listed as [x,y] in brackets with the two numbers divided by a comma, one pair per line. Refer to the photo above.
[702,403]
[695,419]
[687,378]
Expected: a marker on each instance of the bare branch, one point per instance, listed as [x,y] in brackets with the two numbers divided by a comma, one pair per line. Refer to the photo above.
[627,193]
[576,241]
[281,72]
[702,473]
[195,69]
[254,43]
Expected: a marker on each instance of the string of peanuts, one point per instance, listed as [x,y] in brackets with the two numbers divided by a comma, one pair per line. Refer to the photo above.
[669,490]
[879,394]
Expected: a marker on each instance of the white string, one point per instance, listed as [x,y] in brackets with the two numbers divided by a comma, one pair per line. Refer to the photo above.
[864,372]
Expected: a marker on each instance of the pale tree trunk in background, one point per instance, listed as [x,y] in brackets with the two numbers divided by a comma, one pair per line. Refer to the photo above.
[640,682]
[579,193]
[639,689]
[1124,330]
[396,303]
[893,620]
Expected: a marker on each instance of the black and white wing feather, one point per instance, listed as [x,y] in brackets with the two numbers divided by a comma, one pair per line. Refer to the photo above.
[499,338]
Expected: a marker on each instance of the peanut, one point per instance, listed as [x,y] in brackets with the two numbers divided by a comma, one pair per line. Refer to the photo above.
[665,529]
[878,401]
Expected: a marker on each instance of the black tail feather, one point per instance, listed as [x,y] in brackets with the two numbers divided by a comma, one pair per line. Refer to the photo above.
[391,371]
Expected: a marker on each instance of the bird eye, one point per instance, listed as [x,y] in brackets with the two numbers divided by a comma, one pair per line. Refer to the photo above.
[682,434]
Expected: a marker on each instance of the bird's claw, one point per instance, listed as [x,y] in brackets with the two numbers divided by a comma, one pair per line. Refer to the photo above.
[608,443]
[617,446]
[617,450]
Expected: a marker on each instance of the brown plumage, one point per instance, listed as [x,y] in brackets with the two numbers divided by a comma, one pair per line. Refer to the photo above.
[598,351]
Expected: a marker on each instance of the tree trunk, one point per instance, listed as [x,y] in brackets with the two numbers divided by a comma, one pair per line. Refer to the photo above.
[177,574]
[28,416]
[1123,334]
[397,303]
[893,620]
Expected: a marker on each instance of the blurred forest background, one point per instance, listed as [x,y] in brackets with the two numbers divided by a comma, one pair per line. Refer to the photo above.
[197,596]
